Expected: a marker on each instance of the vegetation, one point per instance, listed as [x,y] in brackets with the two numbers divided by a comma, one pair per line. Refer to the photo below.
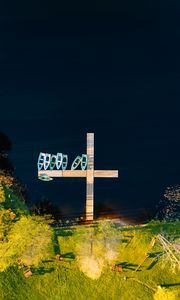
[102,261]
[24,239]
[143,273]
[169,207]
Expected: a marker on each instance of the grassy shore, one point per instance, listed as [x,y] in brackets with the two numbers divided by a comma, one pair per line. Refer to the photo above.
[101,262]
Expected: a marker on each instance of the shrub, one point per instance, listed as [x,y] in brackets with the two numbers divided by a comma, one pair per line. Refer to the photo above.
[2,194]
[164,294]
[29,241]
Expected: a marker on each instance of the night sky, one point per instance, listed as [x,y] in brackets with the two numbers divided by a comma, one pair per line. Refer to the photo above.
[112,69]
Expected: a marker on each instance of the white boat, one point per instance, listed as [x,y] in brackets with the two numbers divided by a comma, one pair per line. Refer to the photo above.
[47,161]
[76,163]
[44,177]
[59,159]
[41,159]
[83,161]
[64,161]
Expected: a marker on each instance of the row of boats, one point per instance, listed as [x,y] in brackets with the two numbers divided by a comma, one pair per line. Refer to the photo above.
[60,161]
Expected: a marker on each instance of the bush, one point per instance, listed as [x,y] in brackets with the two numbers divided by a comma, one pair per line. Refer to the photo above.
[97,248]
[2,194]
[29,241]
[163,294]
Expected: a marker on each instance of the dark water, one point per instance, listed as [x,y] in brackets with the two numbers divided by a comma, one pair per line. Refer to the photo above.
[115,74]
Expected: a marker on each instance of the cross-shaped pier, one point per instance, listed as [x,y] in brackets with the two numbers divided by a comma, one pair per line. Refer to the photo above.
[89,174]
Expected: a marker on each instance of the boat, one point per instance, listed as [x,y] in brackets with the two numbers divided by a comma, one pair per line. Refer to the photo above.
[44,177]
[83,161]
[41,159]
[52,162]
[76,163]
[59,159]
[47,161]
[64,161]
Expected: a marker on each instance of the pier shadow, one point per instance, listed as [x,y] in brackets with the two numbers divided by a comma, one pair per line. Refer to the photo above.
[69,255]
[154,262]
[170,284]
[128,266]
[41,270]
[155,256]
[62,232]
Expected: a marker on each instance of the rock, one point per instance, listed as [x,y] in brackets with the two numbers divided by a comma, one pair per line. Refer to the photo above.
[28,274]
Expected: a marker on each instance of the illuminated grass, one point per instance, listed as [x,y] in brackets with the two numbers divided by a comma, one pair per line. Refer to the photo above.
[140,278]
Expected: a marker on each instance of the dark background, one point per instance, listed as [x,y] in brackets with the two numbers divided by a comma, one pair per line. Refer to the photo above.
[112,69]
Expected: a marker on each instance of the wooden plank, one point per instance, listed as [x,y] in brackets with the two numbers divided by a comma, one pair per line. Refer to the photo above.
[106,173]
[74,173]
[90,178]
[65,173]
[79,173]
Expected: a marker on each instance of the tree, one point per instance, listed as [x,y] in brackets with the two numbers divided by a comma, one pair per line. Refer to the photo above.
[24,240]
[2,194]
[5,146]
[6,168]
[171,255]
[169,207]
[28,241]
[97,248]
[164,293]
[46,207]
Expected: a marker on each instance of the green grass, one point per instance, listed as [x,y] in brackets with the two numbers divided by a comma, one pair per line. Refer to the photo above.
[56,280]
